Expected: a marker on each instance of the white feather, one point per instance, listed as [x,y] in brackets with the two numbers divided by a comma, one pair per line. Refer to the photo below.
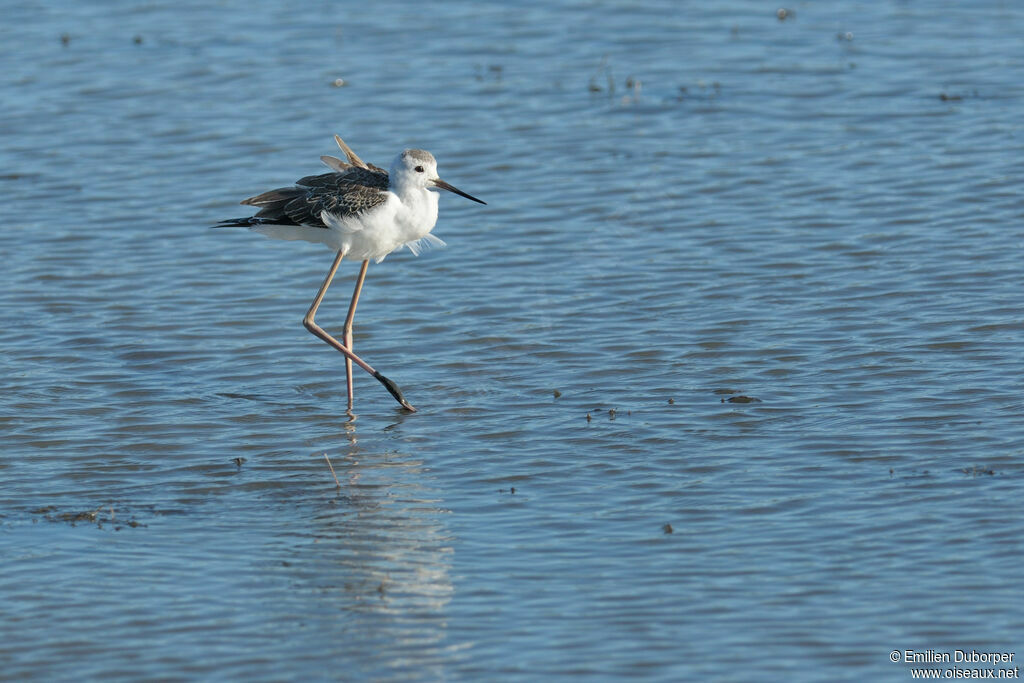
[340,224]
[428,241]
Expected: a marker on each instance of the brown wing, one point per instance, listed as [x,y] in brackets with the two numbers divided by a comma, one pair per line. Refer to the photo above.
[348,192]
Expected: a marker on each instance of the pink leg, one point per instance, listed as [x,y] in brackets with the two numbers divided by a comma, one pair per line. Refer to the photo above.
[310,324]
[346,336]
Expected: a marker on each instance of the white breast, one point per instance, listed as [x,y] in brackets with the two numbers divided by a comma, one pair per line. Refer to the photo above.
[387,227]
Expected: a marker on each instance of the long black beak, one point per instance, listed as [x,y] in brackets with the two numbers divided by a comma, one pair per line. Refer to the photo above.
[451,188]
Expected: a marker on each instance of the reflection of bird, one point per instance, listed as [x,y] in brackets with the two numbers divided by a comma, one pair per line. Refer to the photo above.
[361,211]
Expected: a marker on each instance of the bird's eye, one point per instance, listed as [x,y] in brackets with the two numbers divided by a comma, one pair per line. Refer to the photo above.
[419,169]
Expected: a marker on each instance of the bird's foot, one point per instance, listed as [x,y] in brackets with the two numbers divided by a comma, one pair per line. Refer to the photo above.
[394,391]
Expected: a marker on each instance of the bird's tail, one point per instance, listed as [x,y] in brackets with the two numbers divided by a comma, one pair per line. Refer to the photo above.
[273,205]
[246,222]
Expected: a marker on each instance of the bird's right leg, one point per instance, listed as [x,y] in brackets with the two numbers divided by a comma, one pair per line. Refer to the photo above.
[309,323]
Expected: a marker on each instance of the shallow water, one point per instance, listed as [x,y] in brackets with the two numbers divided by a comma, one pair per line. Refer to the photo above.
[686,206]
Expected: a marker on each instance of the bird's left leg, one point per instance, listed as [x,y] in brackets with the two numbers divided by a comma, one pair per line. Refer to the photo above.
[347,331]
[309,322]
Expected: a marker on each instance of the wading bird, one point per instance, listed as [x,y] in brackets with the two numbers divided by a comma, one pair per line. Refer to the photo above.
[362,212]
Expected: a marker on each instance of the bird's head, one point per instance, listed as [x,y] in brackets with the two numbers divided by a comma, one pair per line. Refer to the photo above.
[418,168]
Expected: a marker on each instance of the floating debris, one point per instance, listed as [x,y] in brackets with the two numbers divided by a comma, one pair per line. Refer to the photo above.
[96,516]
[741,399]
[558,394]
[329,465]
[702,91]
[74,517]
[606,71]
[782,14]
[493,72]
[667,528]
[339,83]
[671,401]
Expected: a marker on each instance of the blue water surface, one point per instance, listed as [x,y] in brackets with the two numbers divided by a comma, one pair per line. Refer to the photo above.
[724,383]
